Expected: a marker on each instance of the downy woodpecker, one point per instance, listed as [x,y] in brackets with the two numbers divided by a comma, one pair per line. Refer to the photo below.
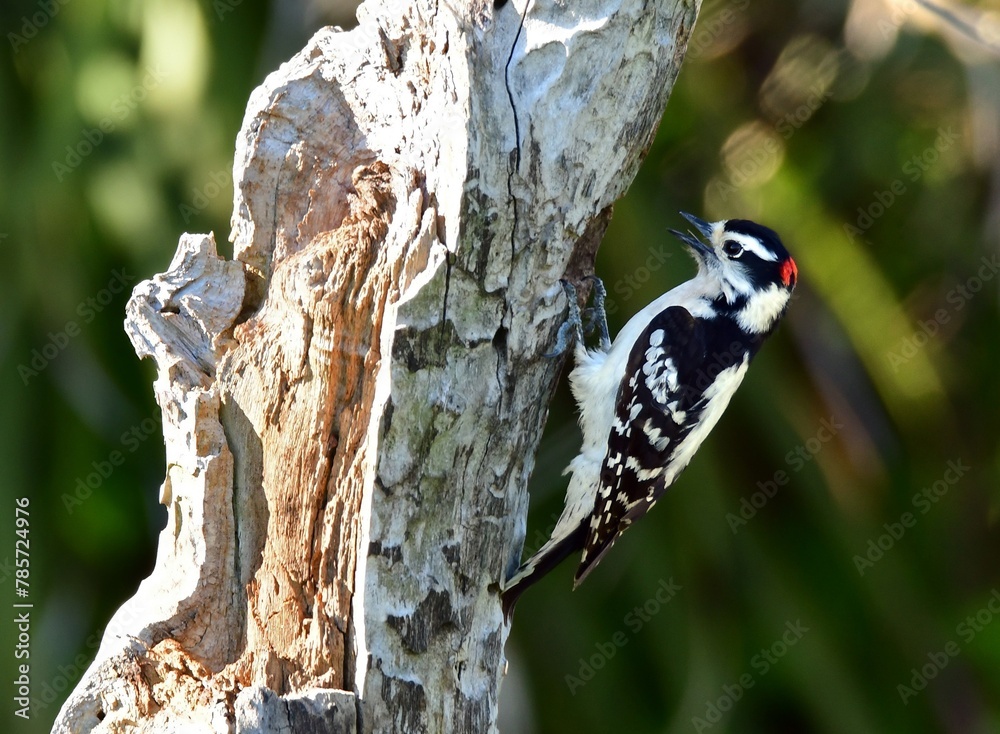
[648,400]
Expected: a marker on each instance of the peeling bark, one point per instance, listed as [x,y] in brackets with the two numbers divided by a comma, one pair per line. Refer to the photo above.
[352,404]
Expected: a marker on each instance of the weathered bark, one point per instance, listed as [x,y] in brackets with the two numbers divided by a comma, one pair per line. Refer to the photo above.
[352,404]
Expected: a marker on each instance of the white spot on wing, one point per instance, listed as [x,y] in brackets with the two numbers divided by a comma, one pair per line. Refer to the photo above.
[655,436]
[678,416]
[654,355]
[661,379]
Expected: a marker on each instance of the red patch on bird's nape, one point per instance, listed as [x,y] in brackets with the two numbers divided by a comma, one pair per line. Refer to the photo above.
[789,273]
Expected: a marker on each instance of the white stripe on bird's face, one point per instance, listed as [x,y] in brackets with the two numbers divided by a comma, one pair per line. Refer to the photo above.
[751,244]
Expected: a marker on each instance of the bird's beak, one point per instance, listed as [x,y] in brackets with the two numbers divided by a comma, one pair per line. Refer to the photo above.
[689,239]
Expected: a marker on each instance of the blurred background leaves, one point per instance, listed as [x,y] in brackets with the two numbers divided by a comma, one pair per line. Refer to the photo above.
[828,563]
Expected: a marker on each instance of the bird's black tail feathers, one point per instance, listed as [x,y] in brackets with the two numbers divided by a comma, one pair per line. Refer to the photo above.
[539,565]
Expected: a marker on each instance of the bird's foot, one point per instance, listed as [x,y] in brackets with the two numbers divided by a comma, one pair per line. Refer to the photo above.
[573,329]
[596,316]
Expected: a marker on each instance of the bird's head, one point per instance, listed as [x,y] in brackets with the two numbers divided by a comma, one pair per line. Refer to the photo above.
[750,264]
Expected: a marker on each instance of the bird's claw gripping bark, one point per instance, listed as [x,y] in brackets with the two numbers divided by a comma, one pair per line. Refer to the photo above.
[572,330]
[596,315]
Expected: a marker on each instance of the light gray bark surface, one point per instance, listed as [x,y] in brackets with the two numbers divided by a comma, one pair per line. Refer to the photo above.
[352,405]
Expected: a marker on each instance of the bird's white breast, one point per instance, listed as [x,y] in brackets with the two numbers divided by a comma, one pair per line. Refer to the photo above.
[597,375]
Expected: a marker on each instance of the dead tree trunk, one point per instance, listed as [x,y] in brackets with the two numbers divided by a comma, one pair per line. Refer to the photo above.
[352,404]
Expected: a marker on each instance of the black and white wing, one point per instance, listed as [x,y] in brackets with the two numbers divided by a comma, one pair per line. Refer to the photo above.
[657,405]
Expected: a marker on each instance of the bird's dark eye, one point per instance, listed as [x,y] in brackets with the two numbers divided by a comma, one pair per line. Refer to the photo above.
[733,249]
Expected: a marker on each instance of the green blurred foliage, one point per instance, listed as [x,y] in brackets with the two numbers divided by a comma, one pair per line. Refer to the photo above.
[867,135]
